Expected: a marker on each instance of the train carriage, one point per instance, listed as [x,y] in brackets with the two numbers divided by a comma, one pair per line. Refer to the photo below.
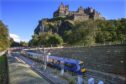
[71,65]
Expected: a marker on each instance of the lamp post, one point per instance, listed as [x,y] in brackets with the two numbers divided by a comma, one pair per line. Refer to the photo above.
[45,58]
[44,54]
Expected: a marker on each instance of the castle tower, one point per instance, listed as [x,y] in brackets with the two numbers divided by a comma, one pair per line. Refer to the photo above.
[80,14]
[62,11]
[61,8]
[80,10]
[91,10]
[67,9]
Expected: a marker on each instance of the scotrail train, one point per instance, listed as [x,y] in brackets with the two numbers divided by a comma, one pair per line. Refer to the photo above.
[68,64]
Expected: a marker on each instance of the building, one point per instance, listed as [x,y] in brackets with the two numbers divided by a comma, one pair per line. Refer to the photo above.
[63,11]
[81,14]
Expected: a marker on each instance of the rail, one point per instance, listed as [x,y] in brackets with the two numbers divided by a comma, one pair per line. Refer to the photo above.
[45,77]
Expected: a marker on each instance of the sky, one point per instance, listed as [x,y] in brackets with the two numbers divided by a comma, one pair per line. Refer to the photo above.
[22,16]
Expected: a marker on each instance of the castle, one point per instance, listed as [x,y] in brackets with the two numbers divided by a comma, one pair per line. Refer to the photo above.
[81,14]
[63,11]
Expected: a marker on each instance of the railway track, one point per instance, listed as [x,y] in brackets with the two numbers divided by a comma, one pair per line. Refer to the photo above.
[45,77]
[49,77]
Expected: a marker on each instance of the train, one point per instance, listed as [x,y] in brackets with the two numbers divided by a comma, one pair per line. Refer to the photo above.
[68,64]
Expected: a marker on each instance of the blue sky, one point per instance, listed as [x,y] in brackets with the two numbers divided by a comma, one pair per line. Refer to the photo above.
[22,16]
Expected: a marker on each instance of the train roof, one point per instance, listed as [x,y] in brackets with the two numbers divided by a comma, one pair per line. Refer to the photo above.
[36,54]
[69,60]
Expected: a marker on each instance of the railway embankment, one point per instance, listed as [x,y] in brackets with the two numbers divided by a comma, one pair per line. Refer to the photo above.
[104,62]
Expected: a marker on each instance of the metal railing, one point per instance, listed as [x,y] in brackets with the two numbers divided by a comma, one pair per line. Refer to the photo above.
[2,53]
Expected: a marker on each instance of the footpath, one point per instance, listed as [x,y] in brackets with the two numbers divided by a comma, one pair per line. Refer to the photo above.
[21,73]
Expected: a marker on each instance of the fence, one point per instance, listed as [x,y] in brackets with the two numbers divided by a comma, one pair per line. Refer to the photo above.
[2,53]
[4,74]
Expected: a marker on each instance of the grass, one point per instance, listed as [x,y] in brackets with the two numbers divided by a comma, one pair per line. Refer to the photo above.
[3,70]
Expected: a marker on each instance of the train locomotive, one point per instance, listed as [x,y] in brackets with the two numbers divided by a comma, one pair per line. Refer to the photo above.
[68,64]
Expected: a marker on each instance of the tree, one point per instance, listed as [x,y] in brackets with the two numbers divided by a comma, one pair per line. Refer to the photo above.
[23,43]
[46,39]
[34,40]
[82,33]
[4,37]
[55,39]
[67,36]
[121,37]
[102,37]
[13,43]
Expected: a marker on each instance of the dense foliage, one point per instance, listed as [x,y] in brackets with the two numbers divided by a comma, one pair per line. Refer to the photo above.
[4,38]
[46,39]
[18,44]
[84,33]
[100,31]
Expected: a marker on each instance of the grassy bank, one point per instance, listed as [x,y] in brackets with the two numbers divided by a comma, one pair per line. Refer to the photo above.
[3,70]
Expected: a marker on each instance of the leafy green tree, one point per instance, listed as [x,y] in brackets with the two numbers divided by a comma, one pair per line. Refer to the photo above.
[34,40]
[82,33]
[55,39]
[121,37]
[23,43]
[65,26]
[67,36]
[4,37]
[46,39]
[13,43]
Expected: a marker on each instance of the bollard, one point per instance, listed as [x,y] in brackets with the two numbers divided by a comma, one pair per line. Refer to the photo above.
[62,68]
[62,71]
[79,79]
[91,81]
[100,82]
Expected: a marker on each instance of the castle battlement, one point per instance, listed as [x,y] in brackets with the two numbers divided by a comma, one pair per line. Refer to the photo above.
[81,14]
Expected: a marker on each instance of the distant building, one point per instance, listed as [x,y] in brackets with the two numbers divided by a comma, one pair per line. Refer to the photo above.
[81,14]
[63,11]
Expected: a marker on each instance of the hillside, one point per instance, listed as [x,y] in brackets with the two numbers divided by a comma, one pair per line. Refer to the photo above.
[85,33]
[86,26]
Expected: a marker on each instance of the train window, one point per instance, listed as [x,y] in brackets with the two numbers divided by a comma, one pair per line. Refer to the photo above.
[50,60]
[82,65]
[54,61]
[69,65]
[58,62]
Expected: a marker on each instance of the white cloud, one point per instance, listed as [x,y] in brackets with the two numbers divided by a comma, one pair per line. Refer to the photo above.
[15,37]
